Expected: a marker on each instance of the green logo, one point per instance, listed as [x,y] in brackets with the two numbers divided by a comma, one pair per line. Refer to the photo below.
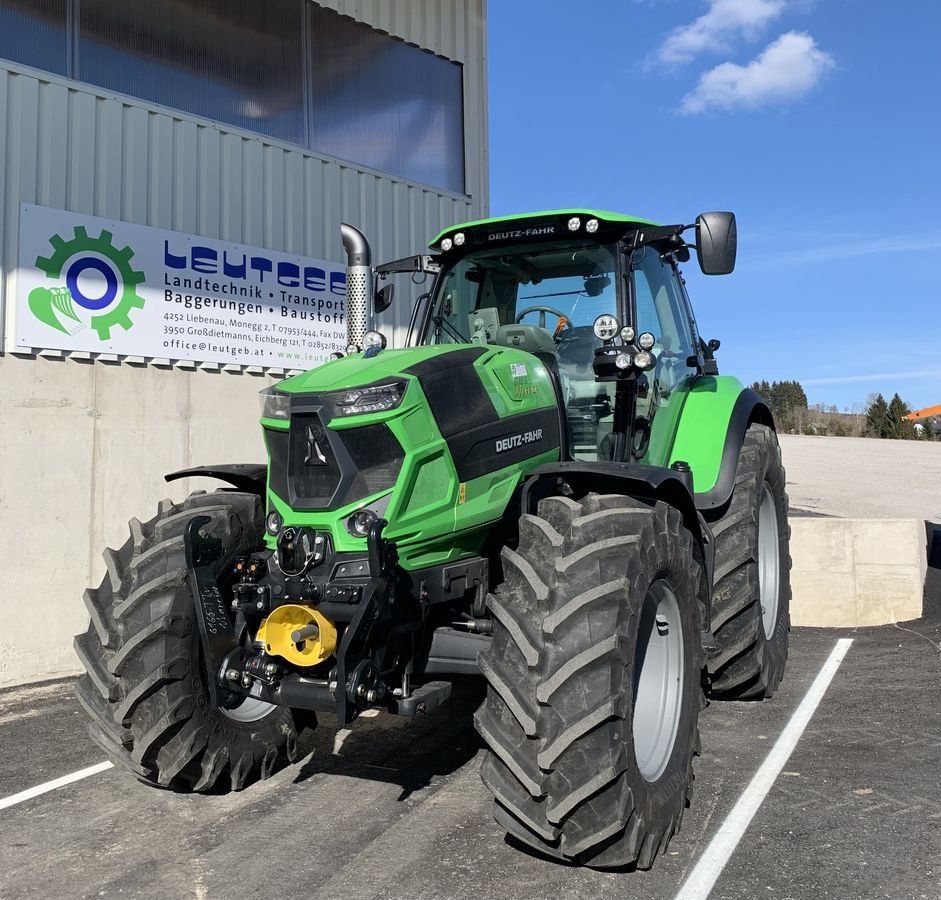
[72,307]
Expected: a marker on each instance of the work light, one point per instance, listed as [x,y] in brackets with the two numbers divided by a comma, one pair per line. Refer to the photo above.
[605,327]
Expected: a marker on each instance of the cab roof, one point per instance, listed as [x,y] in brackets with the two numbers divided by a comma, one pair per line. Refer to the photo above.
[539,224]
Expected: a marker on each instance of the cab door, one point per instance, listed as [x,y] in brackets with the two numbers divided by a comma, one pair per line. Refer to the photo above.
[660,307]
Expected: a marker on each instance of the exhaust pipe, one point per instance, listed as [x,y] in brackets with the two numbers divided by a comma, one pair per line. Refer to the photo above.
[359,286]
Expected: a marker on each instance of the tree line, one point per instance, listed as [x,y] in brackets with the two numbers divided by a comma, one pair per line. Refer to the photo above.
[876,418]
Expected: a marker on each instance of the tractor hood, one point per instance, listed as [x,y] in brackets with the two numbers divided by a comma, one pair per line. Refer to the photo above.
[356,369]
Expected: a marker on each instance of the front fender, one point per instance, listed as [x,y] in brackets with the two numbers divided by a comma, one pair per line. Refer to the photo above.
[716,415]
[248,477]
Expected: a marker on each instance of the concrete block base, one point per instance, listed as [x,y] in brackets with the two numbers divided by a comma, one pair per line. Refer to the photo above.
[856,572]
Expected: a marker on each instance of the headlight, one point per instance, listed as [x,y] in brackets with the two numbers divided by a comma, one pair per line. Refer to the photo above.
[644,360]
[377,398]
[360,522]
[274,522]
[374,340]
[605,327]
[275,404]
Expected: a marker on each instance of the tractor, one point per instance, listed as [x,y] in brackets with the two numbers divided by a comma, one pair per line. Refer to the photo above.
[549,485]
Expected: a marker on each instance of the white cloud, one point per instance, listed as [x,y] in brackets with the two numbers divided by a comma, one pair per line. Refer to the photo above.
[712,31]
[786,69]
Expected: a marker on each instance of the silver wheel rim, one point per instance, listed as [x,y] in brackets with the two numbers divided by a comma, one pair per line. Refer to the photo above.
[249,710]
[768,561]
[658,680]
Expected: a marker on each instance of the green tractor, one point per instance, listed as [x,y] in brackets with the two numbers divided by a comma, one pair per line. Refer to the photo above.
[549,485]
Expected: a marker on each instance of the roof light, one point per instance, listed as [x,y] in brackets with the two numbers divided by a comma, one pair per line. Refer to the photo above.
[446,244]
[591,226]
[459,239]
[575,223]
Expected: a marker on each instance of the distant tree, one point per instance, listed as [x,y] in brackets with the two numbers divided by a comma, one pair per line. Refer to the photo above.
[897,425]
[877,417]
[786,400]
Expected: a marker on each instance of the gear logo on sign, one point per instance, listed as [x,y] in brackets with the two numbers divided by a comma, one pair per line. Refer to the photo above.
[100,288]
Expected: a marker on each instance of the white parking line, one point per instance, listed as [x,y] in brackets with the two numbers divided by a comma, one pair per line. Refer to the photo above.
[703,877]
[29,793]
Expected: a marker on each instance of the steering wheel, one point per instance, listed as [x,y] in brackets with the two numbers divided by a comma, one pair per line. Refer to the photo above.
[542,310]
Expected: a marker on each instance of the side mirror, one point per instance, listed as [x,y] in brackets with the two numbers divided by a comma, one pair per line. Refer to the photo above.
[716,240]
[382,299]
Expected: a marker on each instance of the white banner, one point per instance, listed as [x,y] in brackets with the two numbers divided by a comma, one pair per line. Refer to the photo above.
[101,286]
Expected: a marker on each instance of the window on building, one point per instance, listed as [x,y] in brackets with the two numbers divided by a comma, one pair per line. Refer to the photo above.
[384,103]
[35,33]
[289,69]
[236,61]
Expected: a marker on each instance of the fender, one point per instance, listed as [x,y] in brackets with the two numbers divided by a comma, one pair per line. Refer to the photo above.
[248,477]
[632,480]
[716,415]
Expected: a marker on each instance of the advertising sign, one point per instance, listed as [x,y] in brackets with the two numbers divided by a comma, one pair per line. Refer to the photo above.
[101,286]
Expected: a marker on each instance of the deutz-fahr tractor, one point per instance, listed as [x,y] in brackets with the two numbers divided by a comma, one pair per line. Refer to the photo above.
[549,484]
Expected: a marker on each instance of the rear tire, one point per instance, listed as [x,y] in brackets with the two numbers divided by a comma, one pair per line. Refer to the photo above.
[594,681]
[145,686]
[752,586]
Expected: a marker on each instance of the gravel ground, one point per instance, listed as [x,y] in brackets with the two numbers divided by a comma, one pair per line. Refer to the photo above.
[863,477]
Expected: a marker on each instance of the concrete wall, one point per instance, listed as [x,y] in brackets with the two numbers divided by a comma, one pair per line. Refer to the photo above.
[857,572]
[84,442]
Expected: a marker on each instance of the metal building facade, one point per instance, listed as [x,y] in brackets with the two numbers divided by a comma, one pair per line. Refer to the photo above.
[86,438]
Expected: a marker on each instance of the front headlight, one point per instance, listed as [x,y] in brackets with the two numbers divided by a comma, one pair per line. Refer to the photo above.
[275,404]
[376,398]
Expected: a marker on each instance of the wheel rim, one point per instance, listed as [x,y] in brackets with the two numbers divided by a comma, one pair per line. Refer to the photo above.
[658,680]
[249,710]
[769,559]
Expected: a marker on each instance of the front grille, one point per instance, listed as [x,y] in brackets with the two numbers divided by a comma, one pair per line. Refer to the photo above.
[314,467]
[377,457]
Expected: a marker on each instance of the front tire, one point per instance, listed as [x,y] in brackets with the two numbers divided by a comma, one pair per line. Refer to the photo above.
[144,688]
[594,681]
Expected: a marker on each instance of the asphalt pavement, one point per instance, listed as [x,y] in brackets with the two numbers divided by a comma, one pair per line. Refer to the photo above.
[396,809]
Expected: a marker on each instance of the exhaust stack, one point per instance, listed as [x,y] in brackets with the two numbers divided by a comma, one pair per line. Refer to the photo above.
[359,285]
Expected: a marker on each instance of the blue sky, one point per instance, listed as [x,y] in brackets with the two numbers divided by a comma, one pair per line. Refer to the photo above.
[817,121]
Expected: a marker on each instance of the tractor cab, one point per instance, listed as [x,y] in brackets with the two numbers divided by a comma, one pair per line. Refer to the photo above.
[597,298]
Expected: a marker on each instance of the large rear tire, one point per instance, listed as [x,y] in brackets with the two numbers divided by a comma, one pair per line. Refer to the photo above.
[752,587]
[145,687]
[594,681]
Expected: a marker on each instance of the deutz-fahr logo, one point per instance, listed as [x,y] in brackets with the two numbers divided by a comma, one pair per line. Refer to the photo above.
[518,440]
[100,289]
[521,232]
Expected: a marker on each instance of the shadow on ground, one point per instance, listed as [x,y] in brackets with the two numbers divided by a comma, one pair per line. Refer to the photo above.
[409,752]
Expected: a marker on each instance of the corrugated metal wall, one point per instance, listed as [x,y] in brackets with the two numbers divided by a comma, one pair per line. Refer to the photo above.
[85,443]
[79,148]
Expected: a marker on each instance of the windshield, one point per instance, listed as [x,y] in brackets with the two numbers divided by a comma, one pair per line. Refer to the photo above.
[541,298]
[564,284]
